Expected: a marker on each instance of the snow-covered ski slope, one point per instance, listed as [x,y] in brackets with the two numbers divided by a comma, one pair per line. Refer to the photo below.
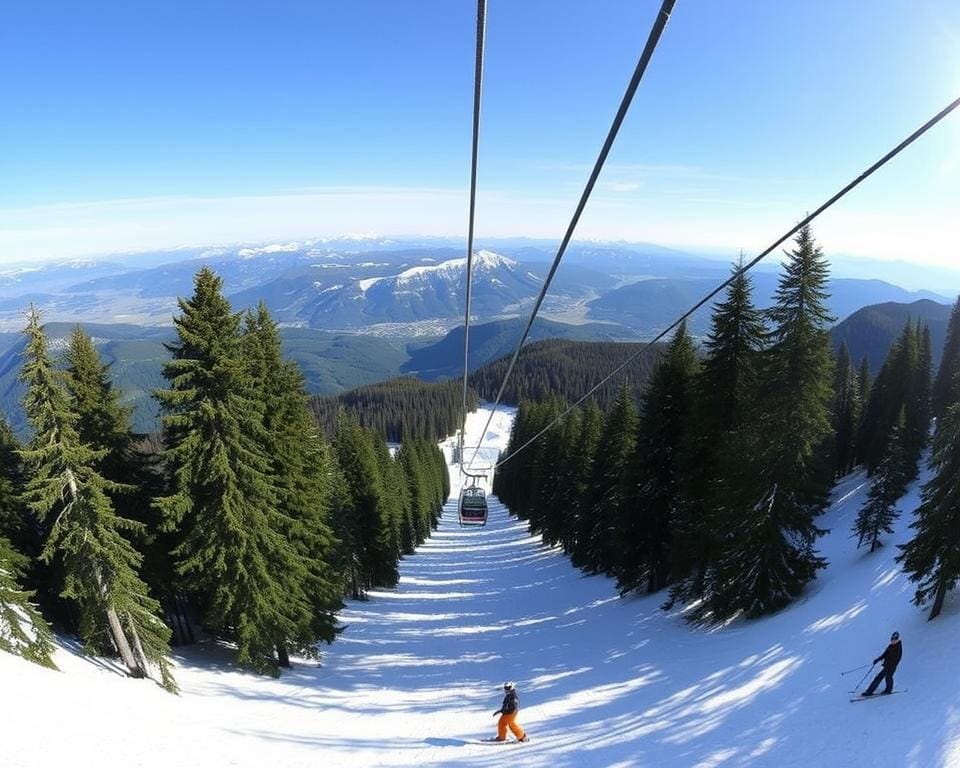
[604,682]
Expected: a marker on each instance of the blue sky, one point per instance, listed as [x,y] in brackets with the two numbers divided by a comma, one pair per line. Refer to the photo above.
[134,125]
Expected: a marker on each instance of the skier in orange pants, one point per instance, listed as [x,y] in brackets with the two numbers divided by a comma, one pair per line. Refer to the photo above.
[508,715]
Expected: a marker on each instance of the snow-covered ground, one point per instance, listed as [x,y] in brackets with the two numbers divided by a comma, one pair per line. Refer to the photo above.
[603,682]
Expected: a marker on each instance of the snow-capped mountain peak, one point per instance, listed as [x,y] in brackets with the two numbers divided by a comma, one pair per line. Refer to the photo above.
[451,269]
[249,253]
[484,259]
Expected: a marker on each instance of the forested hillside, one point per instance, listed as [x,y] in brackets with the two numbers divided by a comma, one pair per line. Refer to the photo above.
[566,370]
[490,341]
[871,331]
[399,409]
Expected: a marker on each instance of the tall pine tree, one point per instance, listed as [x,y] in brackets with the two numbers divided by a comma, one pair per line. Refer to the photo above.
[659,463]
[370,528]
[942,396]
[233,553]
[846,412]
[932,557]
[597,544]
[103,423]
[70,498]
[298,464]
[723,391]
[23,631]
[769,555]
[916,425]
[888,485]
[582,459]
[892,391]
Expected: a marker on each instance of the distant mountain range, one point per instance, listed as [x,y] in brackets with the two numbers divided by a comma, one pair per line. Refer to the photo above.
[406,288]
[654,304]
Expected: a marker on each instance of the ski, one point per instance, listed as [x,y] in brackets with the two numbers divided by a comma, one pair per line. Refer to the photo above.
[876,696]
[505,741]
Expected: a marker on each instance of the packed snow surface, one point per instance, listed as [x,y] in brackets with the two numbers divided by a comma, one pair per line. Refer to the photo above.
[417,673]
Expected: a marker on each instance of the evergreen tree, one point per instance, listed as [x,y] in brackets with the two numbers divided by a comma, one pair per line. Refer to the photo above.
[103,423]
[560,521]
[370,527]
[888,485]
[298,462]
[916,427]
[723,390]
[14,526]
[891,392]
[845,411]
[581,464]
[23,631]
[863,383]
[942,395]
[234,554]
[518,479]
[657,467]
[437,486]
[545,511]
[69,496]
[608,486]
[932,557]
[769,555]
[417,524]
[395,498]
[512,480]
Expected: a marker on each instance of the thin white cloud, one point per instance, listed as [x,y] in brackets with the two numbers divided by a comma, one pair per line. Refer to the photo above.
[701,221]
[623,186]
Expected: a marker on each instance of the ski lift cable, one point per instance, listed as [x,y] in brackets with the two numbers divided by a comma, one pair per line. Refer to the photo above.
[663,16]
[477,93]
[744,268]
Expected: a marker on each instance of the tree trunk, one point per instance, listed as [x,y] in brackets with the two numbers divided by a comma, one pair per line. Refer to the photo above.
[283,658]
[116,630]
[120,641]
[138,648]
[183,610]
[938,599]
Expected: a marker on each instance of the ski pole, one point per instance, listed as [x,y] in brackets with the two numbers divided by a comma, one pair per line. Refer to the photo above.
[855,669]
[864,677]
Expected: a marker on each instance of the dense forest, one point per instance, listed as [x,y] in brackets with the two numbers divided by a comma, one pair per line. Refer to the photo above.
[566,369]
[710,489]
[248,525]
[431,410]
[399,408]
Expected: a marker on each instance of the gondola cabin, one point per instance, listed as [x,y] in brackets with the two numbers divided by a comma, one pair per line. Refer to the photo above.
[473,506]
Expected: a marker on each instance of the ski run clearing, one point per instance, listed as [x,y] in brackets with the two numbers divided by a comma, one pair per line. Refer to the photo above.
[603,681]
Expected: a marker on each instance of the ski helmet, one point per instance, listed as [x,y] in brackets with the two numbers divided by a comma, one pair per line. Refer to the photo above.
[508,686]
[894,637]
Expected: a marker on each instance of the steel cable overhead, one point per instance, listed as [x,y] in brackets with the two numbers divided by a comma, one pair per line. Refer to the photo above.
[477,93]
[744,268]
[660,22]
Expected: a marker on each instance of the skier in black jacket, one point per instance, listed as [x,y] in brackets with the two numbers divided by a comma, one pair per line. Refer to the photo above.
[891,658]
[508,714]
